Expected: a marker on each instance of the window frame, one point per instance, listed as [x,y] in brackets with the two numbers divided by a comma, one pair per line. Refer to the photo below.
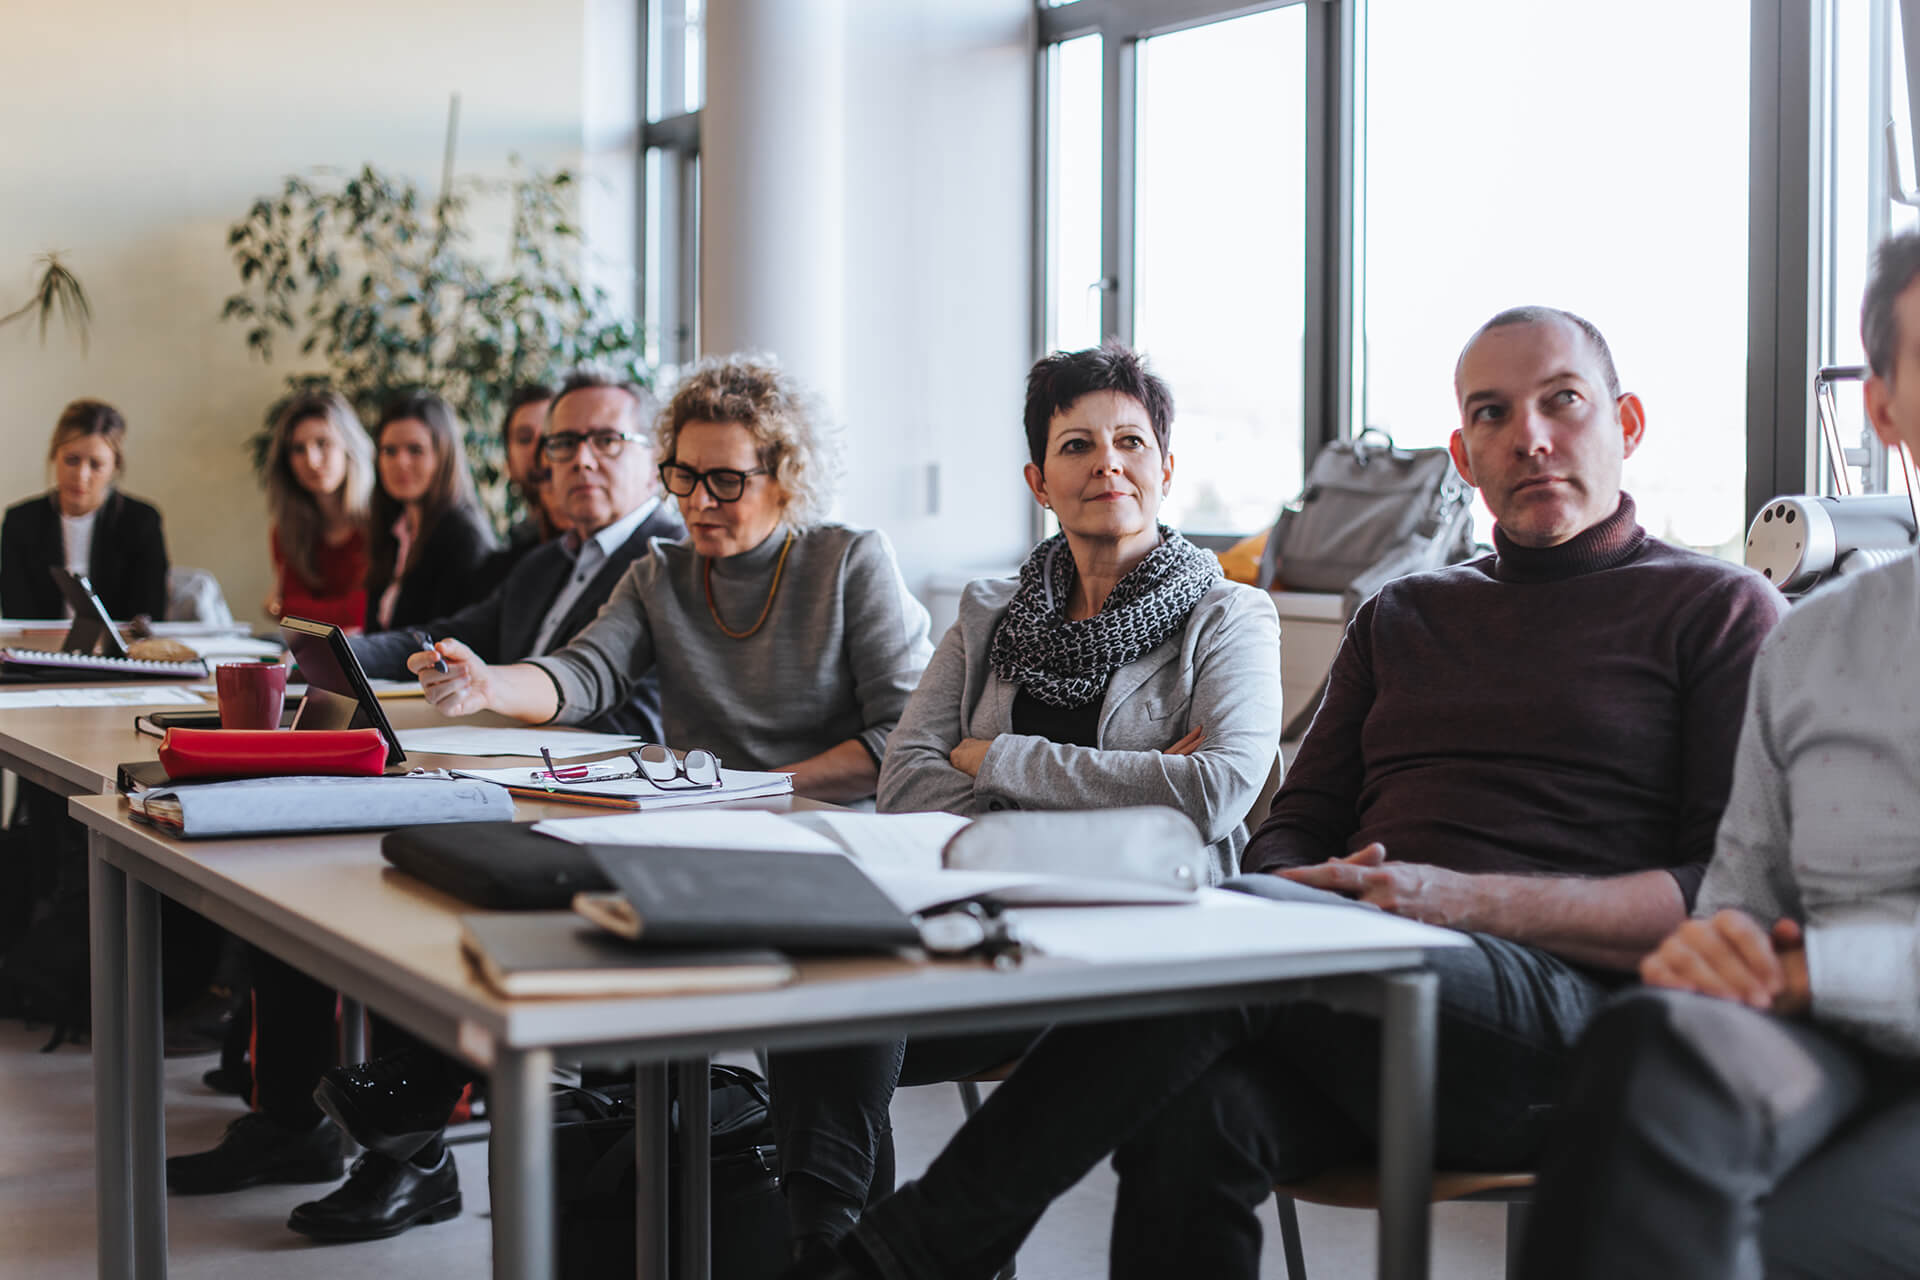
[1335,67]
[676,136]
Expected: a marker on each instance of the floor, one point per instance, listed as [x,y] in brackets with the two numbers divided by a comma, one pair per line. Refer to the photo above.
[46,1197]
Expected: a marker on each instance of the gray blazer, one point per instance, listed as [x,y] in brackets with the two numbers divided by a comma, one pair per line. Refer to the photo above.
[1222,671]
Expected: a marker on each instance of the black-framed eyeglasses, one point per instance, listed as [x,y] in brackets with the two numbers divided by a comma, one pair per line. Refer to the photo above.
[724,484]
[562,446]
[698,770]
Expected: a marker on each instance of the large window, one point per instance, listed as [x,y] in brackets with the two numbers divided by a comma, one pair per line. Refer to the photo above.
[1865,172]
[1581,156]
[1177,218]
[1219,295]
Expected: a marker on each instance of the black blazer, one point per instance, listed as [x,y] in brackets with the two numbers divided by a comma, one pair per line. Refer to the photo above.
[503,626]
[127,563]
[445,575]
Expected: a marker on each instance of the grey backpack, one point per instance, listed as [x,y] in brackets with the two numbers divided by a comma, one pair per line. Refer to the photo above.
[1370,513]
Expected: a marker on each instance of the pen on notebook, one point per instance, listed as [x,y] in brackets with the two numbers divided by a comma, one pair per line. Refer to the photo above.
[426,643]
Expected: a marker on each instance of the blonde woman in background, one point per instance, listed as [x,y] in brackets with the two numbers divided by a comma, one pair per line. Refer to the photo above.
[319,481]
[85,524]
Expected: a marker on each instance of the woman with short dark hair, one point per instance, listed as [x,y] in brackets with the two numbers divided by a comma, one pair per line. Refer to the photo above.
[429,539]
[85,524]
[1119,668]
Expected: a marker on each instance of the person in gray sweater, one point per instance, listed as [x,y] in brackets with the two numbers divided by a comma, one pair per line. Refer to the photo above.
[781,641]
[1119,668]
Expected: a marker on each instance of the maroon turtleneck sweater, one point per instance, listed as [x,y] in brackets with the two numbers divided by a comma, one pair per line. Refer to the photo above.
[1571,710]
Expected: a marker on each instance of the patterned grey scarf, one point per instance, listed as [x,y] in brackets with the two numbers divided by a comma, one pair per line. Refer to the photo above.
[1068,664]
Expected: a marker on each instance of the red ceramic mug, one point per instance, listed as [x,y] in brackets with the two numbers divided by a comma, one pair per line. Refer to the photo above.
[251,694]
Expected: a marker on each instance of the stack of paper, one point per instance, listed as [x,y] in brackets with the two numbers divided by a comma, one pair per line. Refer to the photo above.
[602,785]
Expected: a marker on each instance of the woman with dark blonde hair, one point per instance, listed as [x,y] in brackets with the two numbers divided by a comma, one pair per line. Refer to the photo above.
[319,482]
[428,538]
[781,640]
[85,524]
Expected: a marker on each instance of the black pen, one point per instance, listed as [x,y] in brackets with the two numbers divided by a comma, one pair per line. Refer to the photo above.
[426,642]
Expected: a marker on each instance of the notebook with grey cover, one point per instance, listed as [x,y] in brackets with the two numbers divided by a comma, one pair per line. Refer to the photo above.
[556,953]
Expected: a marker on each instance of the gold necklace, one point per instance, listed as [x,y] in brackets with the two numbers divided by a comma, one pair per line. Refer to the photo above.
[765,609]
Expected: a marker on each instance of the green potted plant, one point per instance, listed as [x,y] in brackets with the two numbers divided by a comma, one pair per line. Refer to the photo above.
[56,289]
[390,291]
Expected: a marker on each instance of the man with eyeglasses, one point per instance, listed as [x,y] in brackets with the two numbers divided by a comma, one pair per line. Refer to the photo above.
[604,483]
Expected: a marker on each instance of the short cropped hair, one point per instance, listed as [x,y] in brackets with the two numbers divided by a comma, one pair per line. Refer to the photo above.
[523,395]
[90,418]
[1540,315]
[1895,264]
[1056,381]
[787,422]
[593,377]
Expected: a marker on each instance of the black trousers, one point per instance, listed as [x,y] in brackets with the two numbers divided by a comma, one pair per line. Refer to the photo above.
[831,1116]
[1701,1138]
[1206,1111]
[295,1038]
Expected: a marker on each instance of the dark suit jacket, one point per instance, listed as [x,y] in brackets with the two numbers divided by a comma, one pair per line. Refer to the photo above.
[503,626]
[445,575]
[127,563]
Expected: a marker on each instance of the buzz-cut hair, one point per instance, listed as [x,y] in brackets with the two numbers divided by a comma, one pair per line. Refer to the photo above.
[1541,315]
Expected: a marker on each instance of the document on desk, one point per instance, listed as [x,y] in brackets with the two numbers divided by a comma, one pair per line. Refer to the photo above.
[906,841]
[736,829]
[919,891]
[169,695]
[230,648]
[1221,924]
[480,740]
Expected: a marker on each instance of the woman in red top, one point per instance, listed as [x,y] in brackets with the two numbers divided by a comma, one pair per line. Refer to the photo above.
[319,481]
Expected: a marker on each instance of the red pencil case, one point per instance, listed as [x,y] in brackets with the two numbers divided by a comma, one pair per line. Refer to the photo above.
[272,753]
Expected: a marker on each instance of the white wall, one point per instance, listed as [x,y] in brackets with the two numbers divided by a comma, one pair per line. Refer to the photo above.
[137,131]
[939,277]
[865,216]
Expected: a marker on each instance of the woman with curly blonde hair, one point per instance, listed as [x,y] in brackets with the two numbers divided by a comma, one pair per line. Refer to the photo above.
[781,640]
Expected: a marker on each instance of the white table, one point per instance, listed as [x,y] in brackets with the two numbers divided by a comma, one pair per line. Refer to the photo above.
[327,905]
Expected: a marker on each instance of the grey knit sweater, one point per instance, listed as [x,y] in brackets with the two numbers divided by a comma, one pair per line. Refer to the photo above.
[842,647]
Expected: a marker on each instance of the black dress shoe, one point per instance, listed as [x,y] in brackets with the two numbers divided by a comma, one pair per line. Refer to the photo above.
[383,1197]
[254,1150]
[395,1104]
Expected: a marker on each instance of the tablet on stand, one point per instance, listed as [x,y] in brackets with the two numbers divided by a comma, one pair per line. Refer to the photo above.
[338,695]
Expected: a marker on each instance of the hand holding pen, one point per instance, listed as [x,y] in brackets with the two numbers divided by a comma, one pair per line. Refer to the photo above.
[426,644]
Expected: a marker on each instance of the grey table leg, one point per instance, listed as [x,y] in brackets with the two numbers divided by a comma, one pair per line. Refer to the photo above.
[353,1032]
[1410,1017]
[112,1147]
[652,1260]
[695,1245]
[520,1098]
[146,1040]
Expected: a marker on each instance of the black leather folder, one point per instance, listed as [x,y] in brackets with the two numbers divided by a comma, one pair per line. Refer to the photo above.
[499,865]
[723,898]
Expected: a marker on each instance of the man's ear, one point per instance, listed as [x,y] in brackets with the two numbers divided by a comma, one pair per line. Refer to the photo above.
[1036,481]
[1457,449]
[1878,394]
[1633,422]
